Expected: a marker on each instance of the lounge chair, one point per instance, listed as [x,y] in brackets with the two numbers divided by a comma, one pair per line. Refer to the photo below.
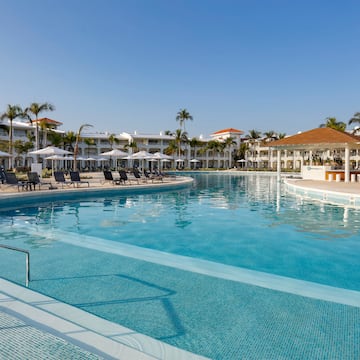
[2,176]
[109,177]
[34,179]
[60,178]
[75,178]
[12,180]
[137,175]
[152,177]
[123,176]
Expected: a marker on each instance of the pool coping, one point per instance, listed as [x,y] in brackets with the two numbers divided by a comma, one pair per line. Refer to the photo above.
[343,194]
[78,327]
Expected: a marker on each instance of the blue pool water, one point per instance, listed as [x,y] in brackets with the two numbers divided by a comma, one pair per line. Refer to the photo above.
[80,255]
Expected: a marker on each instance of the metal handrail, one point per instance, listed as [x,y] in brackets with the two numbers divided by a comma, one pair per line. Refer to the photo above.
[27,260]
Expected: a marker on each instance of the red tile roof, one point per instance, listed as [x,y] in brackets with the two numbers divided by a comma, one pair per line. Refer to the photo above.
[319,136]
[48,121]
[228,130]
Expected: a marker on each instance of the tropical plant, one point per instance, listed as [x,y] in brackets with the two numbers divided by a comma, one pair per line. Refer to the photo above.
[113,140]
[45,128]
[12,112]
[168,132]
[35,109]
[131,145]
[270,135]
[180,137]
[281,135]
[332,123]
[22,147]
[355,119]
[253,137]
[78,136]
[55,138]
[195,143]
[89,142]
[215,146]
[69,139]
[182,116]
[241,152]
[172,148]
[228,143]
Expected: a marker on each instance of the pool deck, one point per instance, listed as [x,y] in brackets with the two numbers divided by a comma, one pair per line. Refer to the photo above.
[34,326]
[339,187]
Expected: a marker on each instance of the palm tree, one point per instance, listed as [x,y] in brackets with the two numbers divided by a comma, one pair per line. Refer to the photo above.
[180,136]
[45,128]
[194,143]
[78,134]
[182,116]
[131,145]
[228,143]
[113,139]
[269,136]
[355,119]
[241,151]
[215,146]
[281,135]
[69,139]
[172,148]
[253,136]
[56,139]
[22,147]
[36,109]
[89,142]
[332,123]
[12,112]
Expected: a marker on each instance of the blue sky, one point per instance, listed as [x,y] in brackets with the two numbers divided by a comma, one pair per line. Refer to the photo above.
[125,65]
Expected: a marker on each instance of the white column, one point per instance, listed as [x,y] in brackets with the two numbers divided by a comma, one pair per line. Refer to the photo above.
[347,164]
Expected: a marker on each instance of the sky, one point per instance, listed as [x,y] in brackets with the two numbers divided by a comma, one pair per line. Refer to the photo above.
[131,65]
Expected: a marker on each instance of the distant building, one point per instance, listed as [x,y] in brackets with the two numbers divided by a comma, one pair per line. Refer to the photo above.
[259,154]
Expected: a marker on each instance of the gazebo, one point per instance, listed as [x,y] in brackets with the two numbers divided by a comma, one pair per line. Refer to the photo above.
[318,139]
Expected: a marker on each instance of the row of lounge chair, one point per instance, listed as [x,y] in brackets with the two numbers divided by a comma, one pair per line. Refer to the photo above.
[33,180]
[75,179]
[125,179]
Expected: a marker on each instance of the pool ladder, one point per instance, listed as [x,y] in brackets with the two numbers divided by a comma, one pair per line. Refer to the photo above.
[27,261]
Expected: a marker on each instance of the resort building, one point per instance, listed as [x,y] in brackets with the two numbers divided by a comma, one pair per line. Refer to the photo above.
[221,150]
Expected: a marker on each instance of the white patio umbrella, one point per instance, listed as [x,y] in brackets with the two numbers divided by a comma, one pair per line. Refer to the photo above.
[50,150]
[4,154]
[194,161]
[116,153]
[54,158]
[140,155]
[159,155]
[242,161]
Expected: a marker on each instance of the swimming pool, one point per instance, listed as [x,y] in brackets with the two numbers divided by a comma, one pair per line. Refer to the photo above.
[174,265]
